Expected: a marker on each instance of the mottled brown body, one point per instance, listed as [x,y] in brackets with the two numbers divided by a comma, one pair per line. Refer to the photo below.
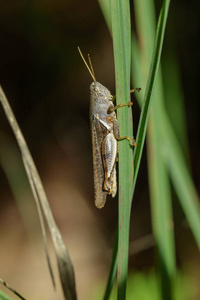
[105,132]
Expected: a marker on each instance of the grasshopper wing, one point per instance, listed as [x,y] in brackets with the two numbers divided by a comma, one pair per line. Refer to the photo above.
[97,139]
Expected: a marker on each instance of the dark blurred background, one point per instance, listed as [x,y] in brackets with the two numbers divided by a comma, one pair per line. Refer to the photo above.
[47,85]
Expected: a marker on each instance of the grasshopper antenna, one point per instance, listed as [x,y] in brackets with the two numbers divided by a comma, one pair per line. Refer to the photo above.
[90,69]
[91,66]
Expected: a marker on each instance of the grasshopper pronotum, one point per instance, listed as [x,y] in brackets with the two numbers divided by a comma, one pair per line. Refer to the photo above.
[105,134]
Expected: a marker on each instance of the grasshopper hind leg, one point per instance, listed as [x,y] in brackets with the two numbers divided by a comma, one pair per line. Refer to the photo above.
[109,154]
[99,194]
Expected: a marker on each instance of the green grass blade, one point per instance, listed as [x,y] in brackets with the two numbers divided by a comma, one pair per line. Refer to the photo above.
[121,31]
[178,168]
[158,177]
[181,179]
[106,10]
[122,92]
[161,209]
[142,127]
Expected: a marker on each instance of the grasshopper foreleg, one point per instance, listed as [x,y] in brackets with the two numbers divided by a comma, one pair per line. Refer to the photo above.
[131,91]
[122,105]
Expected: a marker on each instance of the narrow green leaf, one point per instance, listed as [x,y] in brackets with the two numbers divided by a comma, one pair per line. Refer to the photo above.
[181,178]
[161,204]
[106,10]
[158,176]
[142,127]
[120,13]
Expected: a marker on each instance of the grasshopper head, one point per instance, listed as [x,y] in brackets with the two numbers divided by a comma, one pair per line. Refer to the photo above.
[99,90]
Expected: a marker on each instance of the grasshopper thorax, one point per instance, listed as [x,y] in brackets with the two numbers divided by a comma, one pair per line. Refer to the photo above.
[101,97]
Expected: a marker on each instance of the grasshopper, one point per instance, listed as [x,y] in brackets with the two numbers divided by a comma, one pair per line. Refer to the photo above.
[105,137]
